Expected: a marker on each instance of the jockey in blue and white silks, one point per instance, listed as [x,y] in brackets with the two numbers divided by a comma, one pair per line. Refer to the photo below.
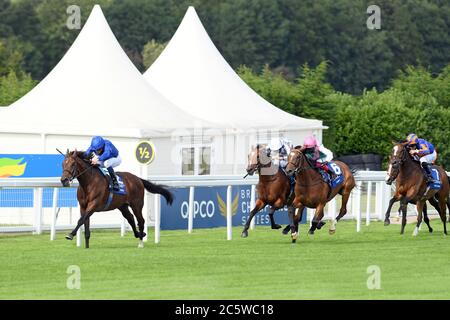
[281,149]
[105,155]
[424,150]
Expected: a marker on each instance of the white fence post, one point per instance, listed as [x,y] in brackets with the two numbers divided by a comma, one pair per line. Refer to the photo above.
[379,200]
[252,205]
[357,205]
[229,213]
[54,213]
[332,209]
[122,227]
[80,230]
[157,218]
[369,200]
[38,210]
[191,209]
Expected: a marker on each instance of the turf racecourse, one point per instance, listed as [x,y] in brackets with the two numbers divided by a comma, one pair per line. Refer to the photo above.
[204,265]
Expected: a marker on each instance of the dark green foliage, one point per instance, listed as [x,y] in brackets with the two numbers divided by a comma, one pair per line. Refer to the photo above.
[283,34]
[416,102]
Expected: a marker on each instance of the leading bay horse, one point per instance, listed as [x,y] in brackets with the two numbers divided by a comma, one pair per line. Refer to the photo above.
[273,186]
[313,192]
[412,186]
[93,193]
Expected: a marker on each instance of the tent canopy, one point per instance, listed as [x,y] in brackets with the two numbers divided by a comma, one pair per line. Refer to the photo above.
[96,89]
[192,74]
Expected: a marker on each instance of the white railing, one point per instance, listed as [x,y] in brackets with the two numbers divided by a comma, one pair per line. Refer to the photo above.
[373,184]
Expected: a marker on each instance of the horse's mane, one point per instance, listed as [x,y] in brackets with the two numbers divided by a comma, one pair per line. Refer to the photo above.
[79,154]
[298,147]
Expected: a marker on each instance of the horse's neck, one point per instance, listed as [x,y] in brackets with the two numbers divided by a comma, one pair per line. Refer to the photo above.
[87,176]
[309,174]
[408,169]
[265,178]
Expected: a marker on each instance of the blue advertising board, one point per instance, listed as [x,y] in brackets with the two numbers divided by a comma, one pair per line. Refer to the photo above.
[210,209]
[30,165]
[33,166]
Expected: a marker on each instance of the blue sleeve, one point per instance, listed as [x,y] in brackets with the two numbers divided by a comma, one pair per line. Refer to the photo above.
[106,154]
[88,151]
[110,151]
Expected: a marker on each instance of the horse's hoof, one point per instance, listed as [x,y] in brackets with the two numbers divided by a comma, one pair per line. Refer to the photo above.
[141,244]
[69,237]
[285,231]
[320,224]
[430,230]
[244,234]
[332,231]
[311,233]
[276,226]
[387,222]
[294,236]
[294,241]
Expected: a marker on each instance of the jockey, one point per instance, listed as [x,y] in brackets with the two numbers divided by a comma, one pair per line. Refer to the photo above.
[425,151]
[313,152]
[105,155]
[281,148]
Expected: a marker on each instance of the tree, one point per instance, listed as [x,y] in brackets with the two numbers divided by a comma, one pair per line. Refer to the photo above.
[13,87]
[151,52]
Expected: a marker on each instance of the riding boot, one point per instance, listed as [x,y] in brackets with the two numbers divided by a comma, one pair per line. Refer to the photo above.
[427,170]
[114,179]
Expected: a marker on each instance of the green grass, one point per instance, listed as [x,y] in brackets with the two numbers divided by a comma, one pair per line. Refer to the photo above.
[203,265]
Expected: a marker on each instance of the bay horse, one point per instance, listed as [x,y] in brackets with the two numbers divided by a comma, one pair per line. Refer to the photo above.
[313,192]
[273,186]
[93,192]
[412,187]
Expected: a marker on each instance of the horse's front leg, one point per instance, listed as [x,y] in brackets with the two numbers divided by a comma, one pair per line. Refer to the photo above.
[388,211]
[291,214]
[85,214]
[404,207]
[315,223]
[277,205]
[419,206]
[258,207]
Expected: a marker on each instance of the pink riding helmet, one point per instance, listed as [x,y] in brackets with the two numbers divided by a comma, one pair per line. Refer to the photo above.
[310,142]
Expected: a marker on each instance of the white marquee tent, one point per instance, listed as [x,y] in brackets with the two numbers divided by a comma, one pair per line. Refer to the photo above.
[192,74]
[95,90]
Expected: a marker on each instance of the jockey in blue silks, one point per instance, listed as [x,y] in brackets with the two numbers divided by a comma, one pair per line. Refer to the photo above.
[425,151]
[105,155]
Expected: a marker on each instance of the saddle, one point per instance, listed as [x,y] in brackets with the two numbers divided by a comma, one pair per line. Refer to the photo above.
[433,179]
[122,189]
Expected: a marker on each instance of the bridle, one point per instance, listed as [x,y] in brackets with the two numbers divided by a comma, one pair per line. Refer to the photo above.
[72,173]
[297,163]
[299,169]
[397,161]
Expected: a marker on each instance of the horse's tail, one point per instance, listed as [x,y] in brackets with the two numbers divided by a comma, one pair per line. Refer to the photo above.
[162,190]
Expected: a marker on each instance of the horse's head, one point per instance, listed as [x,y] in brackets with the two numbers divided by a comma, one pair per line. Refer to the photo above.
[70,166]
[258,157]
[295,160]
[396,160]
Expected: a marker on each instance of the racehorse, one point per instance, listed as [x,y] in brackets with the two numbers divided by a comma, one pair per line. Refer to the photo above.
[412,186]
[93,193]
[313,192]
[273,186]
[433,201]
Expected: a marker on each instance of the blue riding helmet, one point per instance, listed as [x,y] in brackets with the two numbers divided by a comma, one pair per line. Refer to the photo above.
[97,143]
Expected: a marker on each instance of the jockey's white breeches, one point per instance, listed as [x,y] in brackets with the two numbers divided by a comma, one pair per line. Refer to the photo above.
[111,162]
[429,158]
